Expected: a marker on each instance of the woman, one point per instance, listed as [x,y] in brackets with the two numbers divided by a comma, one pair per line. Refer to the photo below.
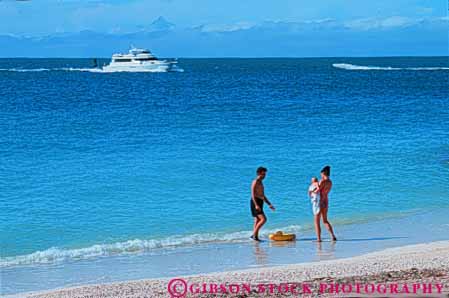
[325,187]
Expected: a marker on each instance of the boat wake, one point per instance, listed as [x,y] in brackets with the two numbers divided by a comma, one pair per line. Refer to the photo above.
[25,70]
[57,255]
[94,70]
[347,66]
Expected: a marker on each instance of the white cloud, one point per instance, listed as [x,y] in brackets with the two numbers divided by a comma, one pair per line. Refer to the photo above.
[320,21]
[396,22]
[222,28]
[381,23]
[364,24]
[424,10]
[392,22]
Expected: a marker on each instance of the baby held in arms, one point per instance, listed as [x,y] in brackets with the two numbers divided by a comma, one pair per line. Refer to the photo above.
[314,195]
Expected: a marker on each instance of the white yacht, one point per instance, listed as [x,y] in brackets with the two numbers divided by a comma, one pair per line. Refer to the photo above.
[139,60]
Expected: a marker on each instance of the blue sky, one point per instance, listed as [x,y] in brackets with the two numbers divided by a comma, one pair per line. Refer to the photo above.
[38,17]
[416,19]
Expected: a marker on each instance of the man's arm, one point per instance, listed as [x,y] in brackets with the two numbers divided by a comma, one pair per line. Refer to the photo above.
[268,202]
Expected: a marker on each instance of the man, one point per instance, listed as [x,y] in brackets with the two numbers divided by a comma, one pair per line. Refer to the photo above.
[257,199]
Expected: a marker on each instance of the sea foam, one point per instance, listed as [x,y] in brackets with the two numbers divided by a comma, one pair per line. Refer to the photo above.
[58,255]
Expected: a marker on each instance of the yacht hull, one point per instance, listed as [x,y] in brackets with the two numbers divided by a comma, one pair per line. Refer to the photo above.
[139,67]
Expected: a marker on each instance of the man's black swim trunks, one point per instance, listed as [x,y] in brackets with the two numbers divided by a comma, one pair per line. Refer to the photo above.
[255,212]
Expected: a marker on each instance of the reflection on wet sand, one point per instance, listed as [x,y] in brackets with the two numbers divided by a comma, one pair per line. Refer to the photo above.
[260,254]
[283,244]
[325,250]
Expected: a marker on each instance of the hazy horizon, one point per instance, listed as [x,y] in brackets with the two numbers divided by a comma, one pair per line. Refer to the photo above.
[303,28]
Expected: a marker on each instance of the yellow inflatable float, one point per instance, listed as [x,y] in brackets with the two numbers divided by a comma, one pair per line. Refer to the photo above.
[280,236]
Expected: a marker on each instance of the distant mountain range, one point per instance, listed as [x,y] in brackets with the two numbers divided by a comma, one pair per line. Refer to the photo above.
[364,37]
[161,24]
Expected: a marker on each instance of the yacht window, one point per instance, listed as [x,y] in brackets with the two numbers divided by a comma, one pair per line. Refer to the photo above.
[146,59]
[122,60]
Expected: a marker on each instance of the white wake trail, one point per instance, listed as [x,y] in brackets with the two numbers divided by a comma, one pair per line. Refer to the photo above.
[348,66]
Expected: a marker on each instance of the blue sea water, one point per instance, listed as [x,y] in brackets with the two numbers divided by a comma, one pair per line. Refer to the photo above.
[105,164]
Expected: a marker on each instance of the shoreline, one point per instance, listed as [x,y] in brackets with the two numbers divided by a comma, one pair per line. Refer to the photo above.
[410,264]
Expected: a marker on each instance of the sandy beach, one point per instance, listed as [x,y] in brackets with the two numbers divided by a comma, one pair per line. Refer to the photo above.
[394,272]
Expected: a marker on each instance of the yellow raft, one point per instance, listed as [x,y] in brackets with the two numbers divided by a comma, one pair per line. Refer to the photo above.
[280,236]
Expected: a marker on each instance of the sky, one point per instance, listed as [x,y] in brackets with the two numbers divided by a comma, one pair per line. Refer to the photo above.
[185,20]
[41,17]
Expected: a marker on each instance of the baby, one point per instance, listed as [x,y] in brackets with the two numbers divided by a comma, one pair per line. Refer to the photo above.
[314,194]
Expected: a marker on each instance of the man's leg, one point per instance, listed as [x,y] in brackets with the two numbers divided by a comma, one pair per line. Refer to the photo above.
[327,224]
[256,221]
[317,219]
[261,220]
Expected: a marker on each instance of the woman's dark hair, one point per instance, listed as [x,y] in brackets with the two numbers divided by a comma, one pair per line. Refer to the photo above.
[326,171]
[261,170]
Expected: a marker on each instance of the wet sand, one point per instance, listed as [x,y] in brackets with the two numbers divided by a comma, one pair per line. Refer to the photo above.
[414,264]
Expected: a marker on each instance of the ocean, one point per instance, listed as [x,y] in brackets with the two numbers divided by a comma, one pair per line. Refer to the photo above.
[118,165]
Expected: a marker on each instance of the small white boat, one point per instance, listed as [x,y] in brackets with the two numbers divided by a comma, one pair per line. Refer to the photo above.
[139,60]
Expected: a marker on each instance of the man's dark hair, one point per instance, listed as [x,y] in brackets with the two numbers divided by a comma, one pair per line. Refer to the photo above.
[261,170]
[326,171]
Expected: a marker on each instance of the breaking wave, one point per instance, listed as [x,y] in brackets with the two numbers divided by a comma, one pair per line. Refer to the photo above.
[347,66]
[58,255]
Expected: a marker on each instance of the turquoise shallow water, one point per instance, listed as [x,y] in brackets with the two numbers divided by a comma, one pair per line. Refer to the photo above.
[97,164]
[353,240]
